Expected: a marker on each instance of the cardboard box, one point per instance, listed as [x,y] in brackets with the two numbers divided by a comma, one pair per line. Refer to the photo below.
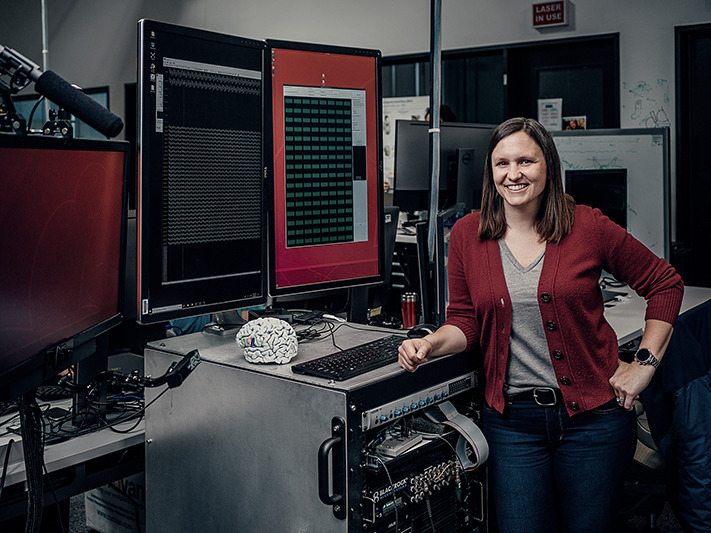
[119,507]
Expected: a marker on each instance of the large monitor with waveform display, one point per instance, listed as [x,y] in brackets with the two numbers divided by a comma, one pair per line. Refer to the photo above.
[463,149]
[604,188]
[62,213]
[326,204]
[201,212]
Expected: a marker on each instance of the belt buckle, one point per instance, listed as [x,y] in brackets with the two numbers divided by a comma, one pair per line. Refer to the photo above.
[548,390]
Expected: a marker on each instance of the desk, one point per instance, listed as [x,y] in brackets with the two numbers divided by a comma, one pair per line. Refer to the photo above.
[77,465]
[627,315]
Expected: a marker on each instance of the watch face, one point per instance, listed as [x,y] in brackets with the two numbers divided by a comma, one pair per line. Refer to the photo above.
[643,355]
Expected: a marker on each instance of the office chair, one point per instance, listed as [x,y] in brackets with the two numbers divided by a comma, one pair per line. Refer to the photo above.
[645,489]
[676,404]
[183,326]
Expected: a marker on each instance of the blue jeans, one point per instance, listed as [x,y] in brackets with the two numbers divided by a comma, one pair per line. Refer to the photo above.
[553,473]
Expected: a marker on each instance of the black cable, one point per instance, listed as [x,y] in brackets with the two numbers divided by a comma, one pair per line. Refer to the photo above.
[54,495]
[332,333]
[8,449]
[459,460]
[33,448]
[429,510]
[345,305]
[32,113]
[57,432]
[6,422]
[392,485]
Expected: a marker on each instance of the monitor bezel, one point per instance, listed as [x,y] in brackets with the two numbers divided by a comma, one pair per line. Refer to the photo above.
[315,289]
[144,109]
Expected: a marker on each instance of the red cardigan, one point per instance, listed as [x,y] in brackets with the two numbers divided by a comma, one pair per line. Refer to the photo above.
[582,345]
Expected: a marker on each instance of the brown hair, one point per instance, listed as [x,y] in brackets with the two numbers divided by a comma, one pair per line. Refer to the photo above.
[557,212]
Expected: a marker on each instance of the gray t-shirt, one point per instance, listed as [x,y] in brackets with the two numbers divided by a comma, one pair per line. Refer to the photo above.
[529,364]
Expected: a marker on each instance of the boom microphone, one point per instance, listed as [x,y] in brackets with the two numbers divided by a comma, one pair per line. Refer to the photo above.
[79,104]
[62,93]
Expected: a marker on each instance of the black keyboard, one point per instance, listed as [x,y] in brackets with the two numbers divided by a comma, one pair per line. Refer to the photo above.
[47,393]
[354,361]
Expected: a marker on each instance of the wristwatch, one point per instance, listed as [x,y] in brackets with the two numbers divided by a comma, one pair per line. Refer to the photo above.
[645,357]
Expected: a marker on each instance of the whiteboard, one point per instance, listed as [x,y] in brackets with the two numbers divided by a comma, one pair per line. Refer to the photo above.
[645,155]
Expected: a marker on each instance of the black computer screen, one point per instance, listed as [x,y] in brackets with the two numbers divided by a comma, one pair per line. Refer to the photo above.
[604,188]
[62,213]
[326,204]
[201,216]
[463,149]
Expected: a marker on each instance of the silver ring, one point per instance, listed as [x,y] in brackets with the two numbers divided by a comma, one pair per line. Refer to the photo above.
[620,399]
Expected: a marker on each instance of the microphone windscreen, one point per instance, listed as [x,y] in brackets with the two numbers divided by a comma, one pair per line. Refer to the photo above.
[78,104]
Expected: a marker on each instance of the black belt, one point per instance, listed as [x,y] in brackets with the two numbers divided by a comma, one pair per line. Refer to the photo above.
[543,396]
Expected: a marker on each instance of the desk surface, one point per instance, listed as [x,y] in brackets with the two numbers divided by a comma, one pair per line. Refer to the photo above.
[408,234]
[226,352]
[70,452]
[627,315]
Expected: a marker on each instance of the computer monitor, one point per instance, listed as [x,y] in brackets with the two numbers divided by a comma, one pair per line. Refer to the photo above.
[326,205]
[463,149]
[604,188]
[201,217]
[62,213]
[32,107]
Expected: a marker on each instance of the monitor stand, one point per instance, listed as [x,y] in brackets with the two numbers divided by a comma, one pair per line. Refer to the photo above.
[88,367]
[358,309]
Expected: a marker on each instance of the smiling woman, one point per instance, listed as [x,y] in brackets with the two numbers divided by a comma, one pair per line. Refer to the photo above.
[523,284]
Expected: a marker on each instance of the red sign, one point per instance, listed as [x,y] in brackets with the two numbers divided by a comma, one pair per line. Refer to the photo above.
[548,14]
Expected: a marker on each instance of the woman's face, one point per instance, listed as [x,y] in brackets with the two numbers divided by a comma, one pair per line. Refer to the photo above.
[519,170]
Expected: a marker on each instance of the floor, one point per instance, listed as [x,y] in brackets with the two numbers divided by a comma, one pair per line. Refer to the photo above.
[77,516]
[666,523]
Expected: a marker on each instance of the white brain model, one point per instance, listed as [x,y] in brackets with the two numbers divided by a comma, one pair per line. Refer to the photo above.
[268,340]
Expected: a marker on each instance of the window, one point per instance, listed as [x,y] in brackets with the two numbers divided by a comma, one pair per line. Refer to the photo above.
[488,85]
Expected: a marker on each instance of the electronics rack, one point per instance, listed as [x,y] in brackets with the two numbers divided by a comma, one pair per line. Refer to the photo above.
[422,489]
[308,446]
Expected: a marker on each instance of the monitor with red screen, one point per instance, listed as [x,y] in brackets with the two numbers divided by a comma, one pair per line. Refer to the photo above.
[62,215]
[326,208]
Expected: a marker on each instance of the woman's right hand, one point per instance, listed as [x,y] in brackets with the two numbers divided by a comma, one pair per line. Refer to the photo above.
[413,352]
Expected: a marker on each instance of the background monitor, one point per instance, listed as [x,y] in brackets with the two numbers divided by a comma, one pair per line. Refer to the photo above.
[201,217]
[463,149]
[604,188]
[32,107]
[326,208]
[62,213]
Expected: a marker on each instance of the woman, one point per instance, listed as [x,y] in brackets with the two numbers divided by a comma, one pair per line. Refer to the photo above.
[523,285]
